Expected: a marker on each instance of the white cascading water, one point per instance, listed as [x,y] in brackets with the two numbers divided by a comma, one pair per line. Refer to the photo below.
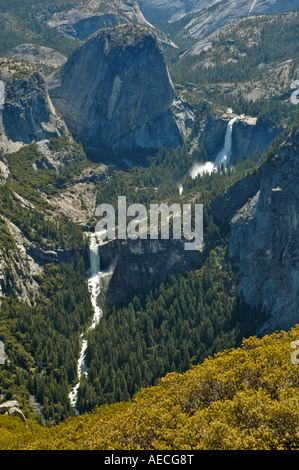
[2,93]
[95,278]
[252,7]
[223,157]
[94,289]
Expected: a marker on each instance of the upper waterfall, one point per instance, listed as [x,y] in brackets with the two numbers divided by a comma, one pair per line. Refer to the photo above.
[94,256]
[225,155]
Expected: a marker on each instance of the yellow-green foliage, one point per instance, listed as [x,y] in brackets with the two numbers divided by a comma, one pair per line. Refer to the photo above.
[246,398]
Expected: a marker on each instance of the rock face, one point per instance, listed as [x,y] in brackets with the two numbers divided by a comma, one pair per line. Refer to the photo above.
[12,408]
[141,265]
[249,139]
[38,55]
[248,29]
[210,16]
[225,206]
[171,10]
[213,136]
[27,114]
[23,260]
[115,92]
[18,268]
[87,17]
[264,243]
[207,15]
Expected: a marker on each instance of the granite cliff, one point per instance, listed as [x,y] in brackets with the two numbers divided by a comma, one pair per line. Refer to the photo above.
[248,137]
[26,112]
[264,239]
[115,93]
[205,17]
[37,55]
[81,20]
[171,10]
[141,265]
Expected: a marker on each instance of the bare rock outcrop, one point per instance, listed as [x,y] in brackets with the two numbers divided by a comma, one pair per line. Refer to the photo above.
[12,408]
[141,265]
[207,17]
[38,55]
[26,112]
[264,242]
[115,93]
[85,18]
[249,138]
[171,10]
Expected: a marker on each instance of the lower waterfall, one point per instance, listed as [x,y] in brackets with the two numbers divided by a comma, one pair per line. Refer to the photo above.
[94,289]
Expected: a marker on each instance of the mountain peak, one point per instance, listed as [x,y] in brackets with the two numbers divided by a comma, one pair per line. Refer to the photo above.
[123,36]
[115,92]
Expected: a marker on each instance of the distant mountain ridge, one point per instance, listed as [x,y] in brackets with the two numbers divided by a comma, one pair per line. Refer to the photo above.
[85,18]
[197,20]
[173,10]
[211,18]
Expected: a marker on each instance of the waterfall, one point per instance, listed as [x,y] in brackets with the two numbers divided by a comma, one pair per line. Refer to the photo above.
[94,289]
[94,255]
[252,7]
[2,93]
[95,278]
[225,155]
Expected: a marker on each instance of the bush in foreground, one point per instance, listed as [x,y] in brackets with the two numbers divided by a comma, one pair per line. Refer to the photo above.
[240,399]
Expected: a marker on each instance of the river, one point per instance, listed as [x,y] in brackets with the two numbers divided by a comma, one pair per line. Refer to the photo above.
[94,285]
